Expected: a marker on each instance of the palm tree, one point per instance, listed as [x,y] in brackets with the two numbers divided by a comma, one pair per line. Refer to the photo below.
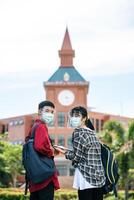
[122,143]
[131,130]
[114,135]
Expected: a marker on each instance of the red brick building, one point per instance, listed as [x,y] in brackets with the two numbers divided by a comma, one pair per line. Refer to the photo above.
[66,88]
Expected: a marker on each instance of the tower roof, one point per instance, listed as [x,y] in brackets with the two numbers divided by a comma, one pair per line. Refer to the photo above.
[66,74]
[66,53]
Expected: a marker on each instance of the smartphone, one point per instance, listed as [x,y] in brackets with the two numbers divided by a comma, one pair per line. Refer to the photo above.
[61,147]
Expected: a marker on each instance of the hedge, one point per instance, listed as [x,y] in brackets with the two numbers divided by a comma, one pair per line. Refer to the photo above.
[16,194]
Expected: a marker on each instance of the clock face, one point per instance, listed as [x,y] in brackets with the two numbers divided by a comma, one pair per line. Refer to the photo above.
[66,97]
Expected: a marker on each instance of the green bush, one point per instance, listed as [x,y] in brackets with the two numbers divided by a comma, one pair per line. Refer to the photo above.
[17,194]
[66,195]
[12,196]
[120,196]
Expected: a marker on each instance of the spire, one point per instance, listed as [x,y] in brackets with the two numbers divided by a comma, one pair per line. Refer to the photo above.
[66,42]
[66,53]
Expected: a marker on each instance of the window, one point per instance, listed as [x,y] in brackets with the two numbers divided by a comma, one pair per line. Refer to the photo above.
[21,122]
[11,123]
[6,128]
[71,171]
[17,142]
[97,125]
[15,122]
[61,140]
[69,141]
[52,137]
[61,119]
[62,170]
[102,123]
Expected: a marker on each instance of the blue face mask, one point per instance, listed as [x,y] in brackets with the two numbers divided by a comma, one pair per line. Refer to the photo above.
[75,122]
[47,117]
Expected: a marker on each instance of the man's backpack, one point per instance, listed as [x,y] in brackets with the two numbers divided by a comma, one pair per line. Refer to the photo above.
[38,167]
[111,170]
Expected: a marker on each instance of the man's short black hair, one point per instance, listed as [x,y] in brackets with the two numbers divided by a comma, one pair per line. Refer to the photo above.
[45,103]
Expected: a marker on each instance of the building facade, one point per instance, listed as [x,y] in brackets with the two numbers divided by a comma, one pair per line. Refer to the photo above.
[66,88]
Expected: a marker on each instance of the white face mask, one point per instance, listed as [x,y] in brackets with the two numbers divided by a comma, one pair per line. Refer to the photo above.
[75,122]
[47,117]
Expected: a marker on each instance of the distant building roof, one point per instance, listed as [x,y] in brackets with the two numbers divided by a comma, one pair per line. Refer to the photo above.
[67,74]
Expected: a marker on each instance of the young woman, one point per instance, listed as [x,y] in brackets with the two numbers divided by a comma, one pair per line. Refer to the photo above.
[86,157]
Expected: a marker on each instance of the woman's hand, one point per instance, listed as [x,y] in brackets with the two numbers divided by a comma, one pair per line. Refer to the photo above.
[60,150]
[56,152]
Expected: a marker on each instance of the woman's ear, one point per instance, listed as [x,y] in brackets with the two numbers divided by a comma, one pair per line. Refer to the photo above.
[39,112]
[84,119]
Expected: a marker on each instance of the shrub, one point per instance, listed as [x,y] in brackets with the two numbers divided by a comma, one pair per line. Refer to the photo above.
[18,194]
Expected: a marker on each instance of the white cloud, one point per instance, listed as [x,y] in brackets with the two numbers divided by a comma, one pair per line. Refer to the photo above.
[14,86]
[32,32]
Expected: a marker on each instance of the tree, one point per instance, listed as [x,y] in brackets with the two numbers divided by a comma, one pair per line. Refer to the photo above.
[114,134]
[4,176]
[123,160]
[12,156]
[131,138]
[122,143]
[131,130]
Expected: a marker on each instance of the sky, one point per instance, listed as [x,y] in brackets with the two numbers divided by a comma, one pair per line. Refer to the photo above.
[102,35]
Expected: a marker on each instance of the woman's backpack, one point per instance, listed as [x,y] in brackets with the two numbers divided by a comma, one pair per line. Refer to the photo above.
[111,170]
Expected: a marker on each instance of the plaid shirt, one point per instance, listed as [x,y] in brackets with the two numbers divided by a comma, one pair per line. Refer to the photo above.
[86,155]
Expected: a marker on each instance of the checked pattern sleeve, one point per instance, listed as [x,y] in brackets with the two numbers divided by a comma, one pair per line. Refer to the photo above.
[78,146]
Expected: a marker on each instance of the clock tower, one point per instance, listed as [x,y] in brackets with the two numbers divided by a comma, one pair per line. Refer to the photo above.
[66,87]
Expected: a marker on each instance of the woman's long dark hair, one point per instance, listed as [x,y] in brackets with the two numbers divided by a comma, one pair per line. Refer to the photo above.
[84,114]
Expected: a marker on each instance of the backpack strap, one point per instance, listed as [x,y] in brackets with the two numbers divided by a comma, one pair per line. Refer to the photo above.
[115,191]
[35,126]
[26,185]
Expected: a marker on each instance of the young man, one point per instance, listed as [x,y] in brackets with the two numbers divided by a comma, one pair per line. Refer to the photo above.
[42,144]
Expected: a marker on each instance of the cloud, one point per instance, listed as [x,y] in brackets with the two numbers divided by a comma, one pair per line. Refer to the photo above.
[101,33]
[17,86]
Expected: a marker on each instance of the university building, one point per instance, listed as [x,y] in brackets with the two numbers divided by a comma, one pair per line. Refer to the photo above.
[66,88]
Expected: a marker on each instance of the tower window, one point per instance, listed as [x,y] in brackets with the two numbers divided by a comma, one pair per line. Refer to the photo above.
[61,119]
